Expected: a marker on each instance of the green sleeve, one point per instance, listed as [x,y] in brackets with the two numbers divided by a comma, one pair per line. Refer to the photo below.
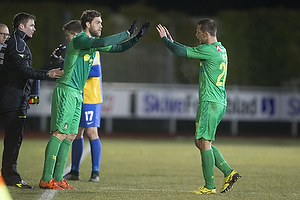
[109,40]
[181,45]
[83,41]
[116,48]
[203,51]
[175,47]
[123,46]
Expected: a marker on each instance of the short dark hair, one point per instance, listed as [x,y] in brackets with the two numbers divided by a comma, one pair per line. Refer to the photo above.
[208,25]
[88,16]
[73,26]
[22,18]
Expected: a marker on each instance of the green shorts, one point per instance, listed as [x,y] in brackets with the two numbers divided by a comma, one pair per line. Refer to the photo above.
[65,109]
[209,115]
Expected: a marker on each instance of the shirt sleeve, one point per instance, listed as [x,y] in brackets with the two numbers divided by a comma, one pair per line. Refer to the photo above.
[175,47]
[84,42]
[123,46]
[110,40]
[200,52]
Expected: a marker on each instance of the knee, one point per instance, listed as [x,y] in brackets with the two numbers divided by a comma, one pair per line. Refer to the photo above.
[59,135]
[92,133]
[203,144]
[198,143]
[71,137]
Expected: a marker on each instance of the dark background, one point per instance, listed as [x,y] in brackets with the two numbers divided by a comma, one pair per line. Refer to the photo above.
[192,7]
[211,7]
[262,39]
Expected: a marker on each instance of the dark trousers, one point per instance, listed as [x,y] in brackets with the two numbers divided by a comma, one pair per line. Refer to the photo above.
[13,123]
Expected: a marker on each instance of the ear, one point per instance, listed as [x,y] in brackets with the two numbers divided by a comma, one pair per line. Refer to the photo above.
[207,34]
[21,26]
[88,25]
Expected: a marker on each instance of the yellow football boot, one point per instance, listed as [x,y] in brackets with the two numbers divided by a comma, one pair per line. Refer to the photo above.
[229,181]
[204,190]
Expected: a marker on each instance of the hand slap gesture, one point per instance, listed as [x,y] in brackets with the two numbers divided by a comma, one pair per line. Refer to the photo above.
[163,32]
[133,27]
[143,30]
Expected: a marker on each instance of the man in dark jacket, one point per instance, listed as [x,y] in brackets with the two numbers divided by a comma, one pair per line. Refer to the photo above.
[18,76]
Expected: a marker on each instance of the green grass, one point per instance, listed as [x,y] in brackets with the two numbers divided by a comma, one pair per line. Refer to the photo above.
[170,168]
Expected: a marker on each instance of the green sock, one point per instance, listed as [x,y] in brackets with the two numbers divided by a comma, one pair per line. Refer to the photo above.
[208,164]
[62,158]
[50,157]
[221,162]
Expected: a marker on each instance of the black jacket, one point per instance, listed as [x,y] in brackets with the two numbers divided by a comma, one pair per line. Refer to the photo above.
[17,73]
[2,50]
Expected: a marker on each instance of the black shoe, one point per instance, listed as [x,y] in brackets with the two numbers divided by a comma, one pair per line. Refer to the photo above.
[72,175]
[22,184]
[94,176]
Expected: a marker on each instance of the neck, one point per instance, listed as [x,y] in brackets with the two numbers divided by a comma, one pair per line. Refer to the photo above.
[87,32]
[212,40]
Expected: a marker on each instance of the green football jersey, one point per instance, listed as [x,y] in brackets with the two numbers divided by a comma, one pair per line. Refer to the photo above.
[213,68]
[80,56]
[212,72]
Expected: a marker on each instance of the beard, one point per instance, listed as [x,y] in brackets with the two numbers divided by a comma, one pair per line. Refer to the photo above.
[95,33]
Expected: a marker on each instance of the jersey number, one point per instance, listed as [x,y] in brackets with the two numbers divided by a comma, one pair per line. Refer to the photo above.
[89,115]
[220,81]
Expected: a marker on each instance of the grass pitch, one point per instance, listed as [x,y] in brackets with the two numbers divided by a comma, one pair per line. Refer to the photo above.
[170,169]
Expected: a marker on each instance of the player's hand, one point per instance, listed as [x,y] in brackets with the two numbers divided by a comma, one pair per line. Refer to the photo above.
[143,30]
[163,32]
[133,27]
[55,73]
[168,34]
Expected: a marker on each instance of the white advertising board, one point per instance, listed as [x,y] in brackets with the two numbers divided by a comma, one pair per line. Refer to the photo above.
[116,103]
[181,103]
[166,103]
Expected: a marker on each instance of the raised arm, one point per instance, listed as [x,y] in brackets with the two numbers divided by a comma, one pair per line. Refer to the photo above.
[83,41]
[167,39]
[110,40]
[123,46]
[117,48]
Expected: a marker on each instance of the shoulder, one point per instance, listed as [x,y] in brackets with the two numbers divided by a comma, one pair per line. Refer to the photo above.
[81,36]
[205,46]
[82,41]
[202,48]
[11,40]
[218,46]
[214,47]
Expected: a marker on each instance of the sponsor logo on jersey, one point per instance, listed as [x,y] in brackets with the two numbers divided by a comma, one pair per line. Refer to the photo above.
[218,48]
[86,57]
[66,126]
